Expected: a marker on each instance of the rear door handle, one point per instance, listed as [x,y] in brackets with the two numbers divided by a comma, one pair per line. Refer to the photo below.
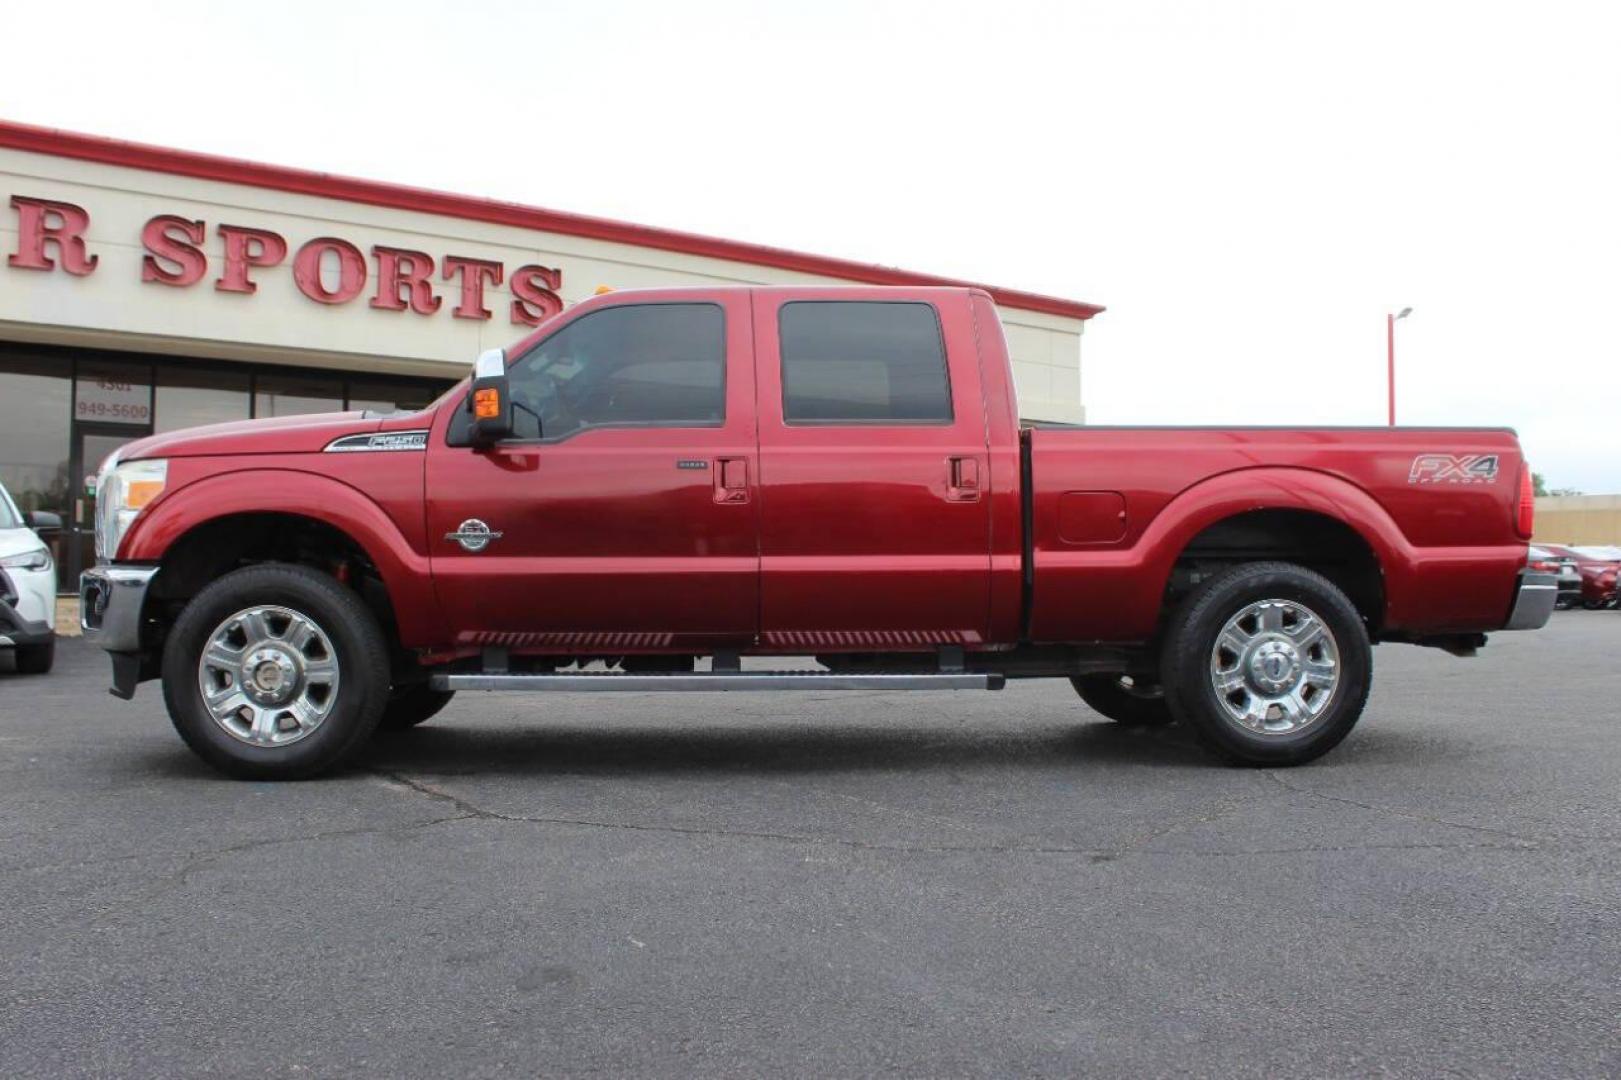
[962,483]
[732,480]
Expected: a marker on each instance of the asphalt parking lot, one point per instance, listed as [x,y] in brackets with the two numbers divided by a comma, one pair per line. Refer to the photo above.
[828,884]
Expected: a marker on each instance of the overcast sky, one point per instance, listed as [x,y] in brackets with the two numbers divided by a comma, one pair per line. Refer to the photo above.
[1248,187]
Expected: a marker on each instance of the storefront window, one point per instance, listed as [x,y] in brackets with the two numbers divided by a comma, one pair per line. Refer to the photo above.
[292,395]
[35,408]
[107,392]
[191,397]
[392,397]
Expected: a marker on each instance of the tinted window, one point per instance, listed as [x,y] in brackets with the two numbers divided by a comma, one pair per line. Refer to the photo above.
[385,396]
[650,364]
[294,395]
[36,405]
[862,361]
[189,397]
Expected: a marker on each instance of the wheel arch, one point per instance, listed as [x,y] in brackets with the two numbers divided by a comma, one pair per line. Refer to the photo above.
[1321,542]
[1303,516]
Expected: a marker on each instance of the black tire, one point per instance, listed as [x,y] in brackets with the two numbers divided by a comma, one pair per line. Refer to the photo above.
[36,659]
[1190,647]
[361,653]
[1135,703]
[412,704]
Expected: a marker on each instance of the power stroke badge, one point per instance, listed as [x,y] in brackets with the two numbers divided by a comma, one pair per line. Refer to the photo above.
[1453,469]
[473,535]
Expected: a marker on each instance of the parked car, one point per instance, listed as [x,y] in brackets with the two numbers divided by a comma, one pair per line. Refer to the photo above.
[1598,566]
[1606,575]
[658,477]
[27,587]
[1570,575]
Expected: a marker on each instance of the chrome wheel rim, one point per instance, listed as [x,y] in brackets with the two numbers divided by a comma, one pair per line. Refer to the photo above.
[1275,667]
[268,676]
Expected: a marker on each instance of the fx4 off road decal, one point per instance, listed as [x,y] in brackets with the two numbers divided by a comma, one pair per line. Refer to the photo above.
[1453,469]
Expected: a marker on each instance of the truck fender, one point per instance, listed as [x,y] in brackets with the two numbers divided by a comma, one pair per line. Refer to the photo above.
[404,571]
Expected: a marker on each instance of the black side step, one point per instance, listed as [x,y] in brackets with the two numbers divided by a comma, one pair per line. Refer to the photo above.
[578,682]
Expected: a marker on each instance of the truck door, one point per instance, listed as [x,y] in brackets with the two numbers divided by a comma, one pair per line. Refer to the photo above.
[622,516]
[875,508]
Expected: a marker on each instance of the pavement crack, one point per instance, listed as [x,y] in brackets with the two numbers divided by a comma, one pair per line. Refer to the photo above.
[422,787]
[1391,811]
[202,856]
[473,812]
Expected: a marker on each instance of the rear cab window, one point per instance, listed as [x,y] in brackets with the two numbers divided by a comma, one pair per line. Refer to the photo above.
[863,362]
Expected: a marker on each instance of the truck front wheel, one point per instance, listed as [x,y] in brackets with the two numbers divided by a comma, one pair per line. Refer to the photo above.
[275,672]
[1268,664]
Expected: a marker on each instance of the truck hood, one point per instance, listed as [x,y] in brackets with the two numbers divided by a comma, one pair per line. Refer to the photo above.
[280,435]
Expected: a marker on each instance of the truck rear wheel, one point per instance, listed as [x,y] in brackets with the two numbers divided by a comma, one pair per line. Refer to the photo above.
[1124,699]
[275,672]
[1268,664]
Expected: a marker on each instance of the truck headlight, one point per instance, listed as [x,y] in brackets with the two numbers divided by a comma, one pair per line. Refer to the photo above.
[122,492]
[39,559]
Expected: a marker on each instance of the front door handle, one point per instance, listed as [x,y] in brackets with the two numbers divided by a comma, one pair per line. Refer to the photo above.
[731,480]
[962,480]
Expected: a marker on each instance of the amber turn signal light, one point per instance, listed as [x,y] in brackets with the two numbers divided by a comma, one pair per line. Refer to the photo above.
[141,492]
[487,403]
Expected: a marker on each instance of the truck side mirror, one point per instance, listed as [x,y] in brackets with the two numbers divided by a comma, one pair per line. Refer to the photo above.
[43,521]
[490,399]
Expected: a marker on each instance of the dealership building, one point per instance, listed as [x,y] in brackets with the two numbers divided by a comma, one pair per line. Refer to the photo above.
[146,289]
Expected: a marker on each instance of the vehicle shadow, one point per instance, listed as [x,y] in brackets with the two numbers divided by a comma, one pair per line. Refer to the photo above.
[447,751]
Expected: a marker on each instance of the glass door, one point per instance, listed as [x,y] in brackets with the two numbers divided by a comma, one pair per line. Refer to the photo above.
[91,445]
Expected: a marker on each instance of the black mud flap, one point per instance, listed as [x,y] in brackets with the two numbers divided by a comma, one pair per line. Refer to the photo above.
[126,674]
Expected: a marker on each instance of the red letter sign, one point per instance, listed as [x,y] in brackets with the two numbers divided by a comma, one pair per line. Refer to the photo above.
[174,240]
[351,270]
[246,247]
[534,294]
[474,273]
[399,268]
[41,222]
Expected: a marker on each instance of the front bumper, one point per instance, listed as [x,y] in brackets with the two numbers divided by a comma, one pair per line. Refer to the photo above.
[111,600]
[1533,603]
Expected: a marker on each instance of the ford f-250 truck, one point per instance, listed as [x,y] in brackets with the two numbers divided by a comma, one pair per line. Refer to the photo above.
[660,477]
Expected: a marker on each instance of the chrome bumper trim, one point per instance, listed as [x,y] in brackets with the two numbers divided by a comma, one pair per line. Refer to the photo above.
[1534,602]
[111,599]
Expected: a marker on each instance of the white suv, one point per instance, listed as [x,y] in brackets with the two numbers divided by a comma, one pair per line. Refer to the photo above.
[27,587]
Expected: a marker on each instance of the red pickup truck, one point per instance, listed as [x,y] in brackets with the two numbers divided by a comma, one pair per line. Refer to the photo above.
[667,481]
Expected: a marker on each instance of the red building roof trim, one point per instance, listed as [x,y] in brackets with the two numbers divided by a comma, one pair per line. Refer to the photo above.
[401,197]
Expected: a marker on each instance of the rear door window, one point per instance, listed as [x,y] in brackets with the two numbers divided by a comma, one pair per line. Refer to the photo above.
[863,362]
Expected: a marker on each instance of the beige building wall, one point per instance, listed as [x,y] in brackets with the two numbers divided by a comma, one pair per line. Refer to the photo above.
[112,308]
[1579,519]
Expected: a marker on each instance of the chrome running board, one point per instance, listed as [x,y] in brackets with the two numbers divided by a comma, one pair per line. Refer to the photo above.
[587,682]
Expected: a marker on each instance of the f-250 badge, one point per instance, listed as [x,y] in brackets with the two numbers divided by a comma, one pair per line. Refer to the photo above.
[473,535]
[1453,469]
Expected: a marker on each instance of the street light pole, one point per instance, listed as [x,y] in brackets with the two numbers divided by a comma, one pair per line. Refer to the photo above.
[1390,358]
